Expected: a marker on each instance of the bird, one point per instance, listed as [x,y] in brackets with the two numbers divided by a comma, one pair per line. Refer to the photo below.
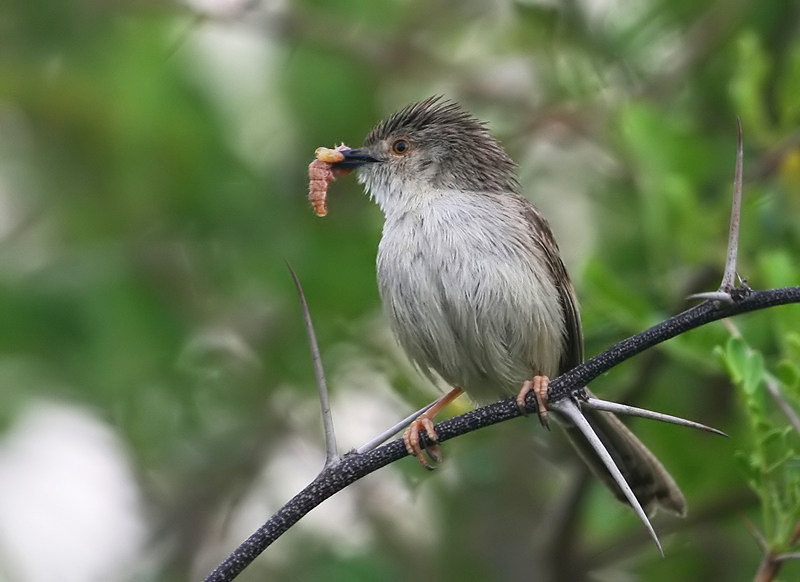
[473,285]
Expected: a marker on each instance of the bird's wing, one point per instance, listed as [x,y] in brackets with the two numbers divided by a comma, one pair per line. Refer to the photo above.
[547,246]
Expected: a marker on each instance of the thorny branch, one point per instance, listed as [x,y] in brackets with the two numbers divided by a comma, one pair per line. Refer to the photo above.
[565,395]
[355,466]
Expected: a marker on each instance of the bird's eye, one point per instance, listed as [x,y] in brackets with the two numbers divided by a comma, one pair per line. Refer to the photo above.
[400,146]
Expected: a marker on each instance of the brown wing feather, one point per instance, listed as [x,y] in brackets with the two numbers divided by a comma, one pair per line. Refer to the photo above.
[540,230]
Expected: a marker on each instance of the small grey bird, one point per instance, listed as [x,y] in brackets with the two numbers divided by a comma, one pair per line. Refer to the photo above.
[472,281]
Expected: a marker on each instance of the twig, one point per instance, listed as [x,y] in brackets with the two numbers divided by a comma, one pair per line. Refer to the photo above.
[768,569]
[331,450]
[355,466]
[775,391]
[771,564]
[757,535]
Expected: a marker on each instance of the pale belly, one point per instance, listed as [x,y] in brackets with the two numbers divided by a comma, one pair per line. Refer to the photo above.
[471,308]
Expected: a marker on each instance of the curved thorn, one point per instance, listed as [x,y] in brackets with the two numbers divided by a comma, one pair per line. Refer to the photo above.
[569,409]
[722,296]
[617,408]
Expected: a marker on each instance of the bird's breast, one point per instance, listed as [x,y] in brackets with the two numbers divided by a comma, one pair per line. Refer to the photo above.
[466,297]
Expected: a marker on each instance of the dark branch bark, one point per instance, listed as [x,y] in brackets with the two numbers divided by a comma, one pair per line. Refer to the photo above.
[356,466]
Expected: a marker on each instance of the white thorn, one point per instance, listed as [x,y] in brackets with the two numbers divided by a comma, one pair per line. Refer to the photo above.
[390,432]
[568,408]
[617,408]
[722,296]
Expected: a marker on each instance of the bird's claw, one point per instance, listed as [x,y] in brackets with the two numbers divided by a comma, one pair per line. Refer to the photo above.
[412,441]
[539,386]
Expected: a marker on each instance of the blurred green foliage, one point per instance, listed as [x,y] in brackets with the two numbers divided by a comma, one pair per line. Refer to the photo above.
[772,459]
[152,187]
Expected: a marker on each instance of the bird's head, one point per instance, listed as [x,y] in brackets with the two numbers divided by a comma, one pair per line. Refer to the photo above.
[428,149]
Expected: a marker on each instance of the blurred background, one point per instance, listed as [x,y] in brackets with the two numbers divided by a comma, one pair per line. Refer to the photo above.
[157,401]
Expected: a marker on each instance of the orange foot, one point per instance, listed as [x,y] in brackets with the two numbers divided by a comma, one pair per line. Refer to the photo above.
[411,440]
[539,386]
[425,422]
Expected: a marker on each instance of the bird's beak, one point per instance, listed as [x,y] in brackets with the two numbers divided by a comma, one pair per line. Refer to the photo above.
[354,158]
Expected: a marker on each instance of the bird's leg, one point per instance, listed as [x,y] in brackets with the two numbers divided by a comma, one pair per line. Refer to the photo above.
[425,422]
[539,386]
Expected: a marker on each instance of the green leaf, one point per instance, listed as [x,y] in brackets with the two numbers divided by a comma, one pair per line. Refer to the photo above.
[745,366]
